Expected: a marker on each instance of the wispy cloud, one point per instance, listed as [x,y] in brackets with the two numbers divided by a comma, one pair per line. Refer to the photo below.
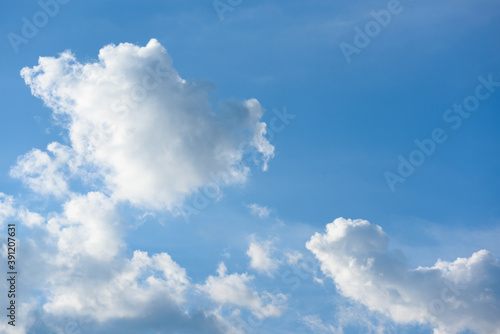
[259,211]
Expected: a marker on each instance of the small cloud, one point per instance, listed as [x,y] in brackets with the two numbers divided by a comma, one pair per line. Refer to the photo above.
[260,256]
[30,219]
[47,173]
[293,257]
[225,253]
[318,280]
[279,223]
[233,290]
[259,211]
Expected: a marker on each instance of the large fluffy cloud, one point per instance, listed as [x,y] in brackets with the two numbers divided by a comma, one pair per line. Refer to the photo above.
[128,296]
[151,136]
[137,133]
[79,263]
[451,296]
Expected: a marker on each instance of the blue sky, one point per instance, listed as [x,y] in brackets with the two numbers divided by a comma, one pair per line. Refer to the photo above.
[135,105]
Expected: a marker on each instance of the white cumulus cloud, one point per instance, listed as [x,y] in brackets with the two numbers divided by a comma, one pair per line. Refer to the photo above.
[450,296]
[151,137]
